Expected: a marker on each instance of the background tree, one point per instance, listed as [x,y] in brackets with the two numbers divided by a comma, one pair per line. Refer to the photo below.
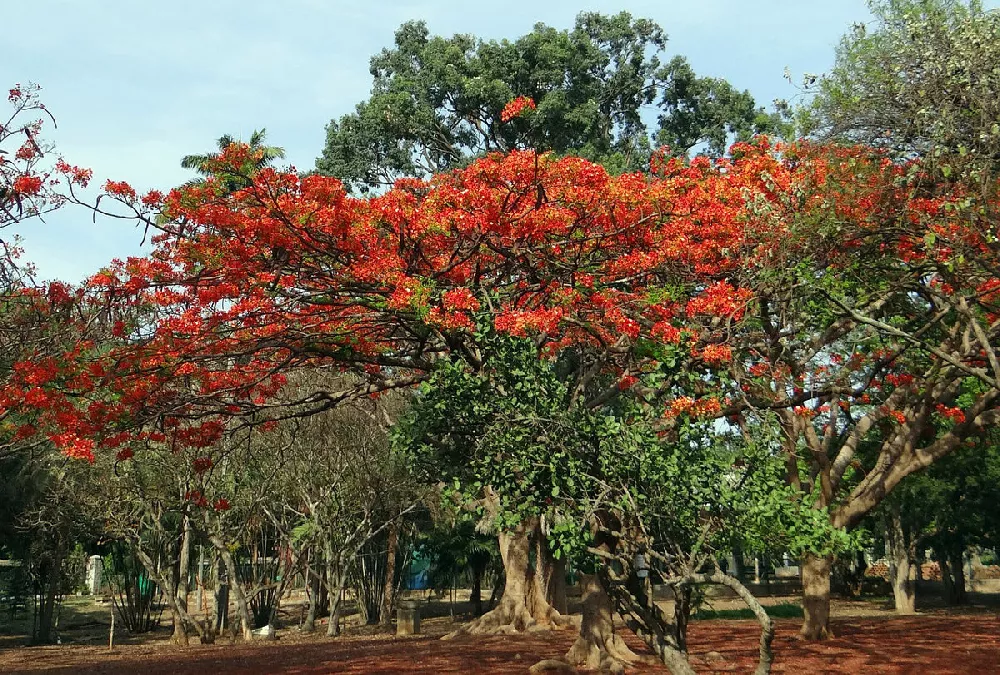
[920,81]
[259,156]
[436,102]
[950,508]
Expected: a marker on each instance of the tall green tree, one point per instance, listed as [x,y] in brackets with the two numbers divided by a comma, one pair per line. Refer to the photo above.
[438,102]
[923,79]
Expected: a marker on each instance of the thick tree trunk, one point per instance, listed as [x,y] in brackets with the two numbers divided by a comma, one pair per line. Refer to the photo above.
[598,647]
[389,588]
[524,605]
[551,575]
[900,569]
[682,614]
[816,597]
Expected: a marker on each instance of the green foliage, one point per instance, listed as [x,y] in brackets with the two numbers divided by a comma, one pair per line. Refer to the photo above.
[923,80]
[262,156]
[955,503]
[436,102]
[507,427]
[769,514]
[512,428]
[456,549]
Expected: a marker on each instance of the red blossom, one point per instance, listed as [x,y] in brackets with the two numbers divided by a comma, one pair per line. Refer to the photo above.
[516,107]
[202,464]
[27,185]
[120,189]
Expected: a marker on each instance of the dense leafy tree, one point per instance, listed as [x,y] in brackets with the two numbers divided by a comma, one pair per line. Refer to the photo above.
[436,102]
[557,477]
[949,508]
[922,80]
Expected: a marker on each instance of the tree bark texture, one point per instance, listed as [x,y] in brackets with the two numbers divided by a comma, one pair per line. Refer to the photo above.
[816,597]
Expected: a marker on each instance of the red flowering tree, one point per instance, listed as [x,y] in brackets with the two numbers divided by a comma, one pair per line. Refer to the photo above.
[872,336]
[851,296]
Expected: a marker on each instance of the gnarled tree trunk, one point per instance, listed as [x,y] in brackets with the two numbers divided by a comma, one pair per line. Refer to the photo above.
[524,605]
[551,575]
[816,597]
[598,647]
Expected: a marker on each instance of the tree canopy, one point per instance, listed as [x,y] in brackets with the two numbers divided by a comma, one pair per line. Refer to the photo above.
[437,103]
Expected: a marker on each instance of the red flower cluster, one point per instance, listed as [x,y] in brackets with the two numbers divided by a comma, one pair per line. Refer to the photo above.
[202,464]
[516,107]
[954,414]
[120,189]
[28,185]
[705,407]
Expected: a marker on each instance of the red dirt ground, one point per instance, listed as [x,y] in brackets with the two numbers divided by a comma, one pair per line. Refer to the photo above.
[936,643]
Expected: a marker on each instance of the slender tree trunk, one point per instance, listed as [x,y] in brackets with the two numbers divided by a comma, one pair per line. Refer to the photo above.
[816,597]
[168,587]
[476,594]
[958,574]
[498,584]
[313,583]
[235,587]
[50,591]
[739,566]
[946,579]
[272,619]
[389,587]
[900,569]
[213,574]
[200,579]
[336,580]
[182,572]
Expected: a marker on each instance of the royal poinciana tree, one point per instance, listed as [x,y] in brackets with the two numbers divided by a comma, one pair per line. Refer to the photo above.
[850,295]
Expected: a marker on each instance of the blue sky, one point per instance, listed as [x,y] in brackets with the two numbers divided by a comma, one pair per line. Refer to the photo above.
[137,84]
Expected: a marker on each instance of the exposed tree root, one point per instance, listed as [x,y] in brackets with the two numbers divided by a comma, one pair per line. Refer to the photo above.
[598,647]
[525,605]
